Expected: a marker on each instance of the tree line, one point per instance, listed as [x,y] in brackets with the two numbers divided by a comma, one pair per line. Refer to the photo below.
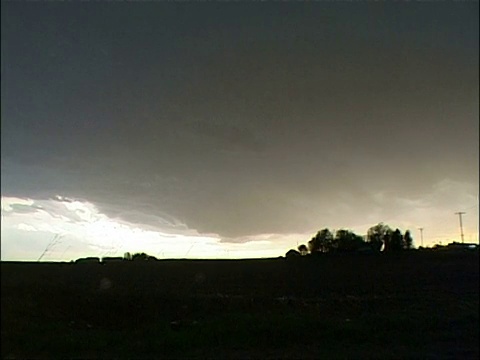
[380,237]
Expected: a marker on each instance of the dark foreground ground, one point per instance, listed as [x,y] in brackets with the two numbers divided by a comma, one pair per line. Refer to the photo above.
[416,305]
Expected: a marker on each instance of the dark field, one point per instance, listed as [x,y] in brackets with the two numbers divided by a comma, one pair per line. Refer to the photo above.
[409,305]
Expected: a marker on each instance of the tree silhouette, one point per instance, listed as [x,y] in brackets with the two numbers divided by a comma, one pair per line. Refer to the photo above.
[379,235]
[408,240]
[321,242]
[387,240]
[396,241]
[303,249]
[347,241]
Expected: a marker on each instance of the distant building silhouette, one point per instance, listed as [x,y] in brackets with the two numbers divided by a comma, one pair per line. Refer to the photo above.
[461,246]
[88,260]
[112,259]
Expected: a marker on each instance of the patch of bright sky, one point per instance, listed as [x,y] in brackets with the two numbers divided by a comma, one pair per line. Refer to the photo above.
[72,229]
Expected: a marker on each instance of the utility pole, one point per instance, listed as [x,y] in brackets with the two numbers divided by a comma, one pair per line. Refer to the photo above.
[460,213]
[421,235]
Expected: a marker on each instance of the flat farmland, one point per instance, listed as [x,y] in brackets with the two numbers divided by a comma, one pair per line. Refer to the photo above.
[407,305]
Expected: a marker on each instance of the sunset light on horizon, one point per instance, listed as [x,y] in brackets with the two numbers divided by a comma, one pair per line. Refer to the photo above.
[64,229]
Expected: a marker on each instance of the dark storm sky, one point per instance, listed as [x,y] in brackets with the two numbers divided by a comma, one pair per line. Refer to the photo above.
[242,118]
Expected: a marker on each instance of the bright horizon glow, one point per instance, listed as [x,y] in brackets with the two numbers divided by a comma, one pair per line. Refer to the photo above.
[63,229]
[73,229]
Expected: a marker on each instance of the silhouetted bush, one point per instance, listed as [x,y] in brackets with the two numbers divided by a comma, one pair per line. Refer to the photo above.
[143,257]
[292,254]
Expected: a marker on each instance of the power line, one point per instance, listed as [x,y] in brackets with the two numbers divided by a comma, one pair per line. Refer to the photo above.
[190,248]
[56,240]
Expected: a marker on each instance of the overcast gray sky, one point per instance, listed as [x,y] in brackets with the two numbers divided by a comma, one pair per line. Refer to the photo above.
[236,120]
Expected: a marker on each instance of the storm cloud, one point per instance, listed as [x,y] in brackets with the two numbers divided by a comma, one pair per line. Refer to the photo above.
[242,119]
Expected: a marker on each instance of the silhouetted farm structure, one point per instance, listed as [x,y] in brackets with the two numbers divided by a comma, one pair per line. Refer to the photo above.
[421,304]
